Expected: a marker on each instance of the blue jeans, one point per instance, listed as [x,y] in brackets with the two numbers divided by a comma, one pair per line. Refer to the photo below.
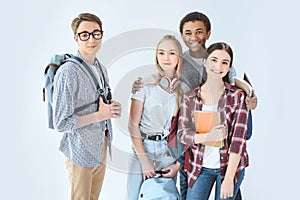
[158,153]
[183,183]
[202,188]
[238,195]
[184,186]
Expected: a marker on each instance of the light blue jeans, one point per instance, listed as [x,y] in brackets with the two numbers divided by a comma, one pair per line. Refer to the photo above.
[158,153]
[202,188]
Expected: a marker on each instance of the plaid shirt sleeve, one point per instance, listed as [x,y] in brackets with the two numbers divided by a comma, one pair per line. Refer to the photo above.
[186,128]
[238,123]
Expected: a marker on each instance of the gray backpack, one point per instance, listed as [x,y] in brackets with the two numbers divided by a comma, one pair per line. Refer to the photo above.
[55,62]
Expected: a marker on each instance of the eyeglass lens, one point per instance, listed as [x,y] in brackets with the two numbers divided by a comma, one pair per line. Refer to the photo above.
[84,36]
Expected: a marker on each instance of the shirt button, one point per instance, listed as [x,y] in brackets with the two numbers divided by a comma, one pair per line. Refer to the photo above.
[222,158]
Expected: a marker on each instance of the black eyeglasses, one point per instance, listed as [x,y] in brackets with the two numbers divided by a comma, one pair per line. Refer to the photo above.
[84,35]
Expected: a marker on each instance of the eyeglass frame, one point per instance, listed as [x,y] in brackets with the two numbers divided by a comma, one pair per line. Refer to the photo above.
[92,33]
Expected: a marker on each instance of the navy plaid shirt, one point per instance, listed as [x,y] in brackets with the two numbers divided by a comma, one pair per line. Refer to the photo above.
[236,115]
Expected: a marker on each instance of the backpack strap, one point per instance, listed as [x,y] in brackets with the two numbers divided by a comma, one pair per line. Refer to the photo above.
[87,70]
[109,97]
[249,126]
[84,66]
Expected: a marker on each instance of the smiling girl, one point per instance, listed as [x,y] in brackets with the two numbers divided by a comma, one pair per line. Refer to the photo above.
[207,164]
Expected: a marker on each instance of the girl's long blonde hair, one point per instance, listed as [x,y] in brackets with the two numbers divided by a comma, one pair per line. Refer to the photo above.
[178,91]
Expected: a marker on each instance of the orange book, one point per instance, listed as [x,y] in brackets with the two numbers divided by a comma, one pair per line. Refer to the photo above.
[204,122]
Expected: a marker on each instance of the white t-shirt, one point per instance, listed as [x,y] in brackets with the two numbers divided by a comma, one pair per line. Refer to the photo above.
[99,78]
[211,158]
[159,107]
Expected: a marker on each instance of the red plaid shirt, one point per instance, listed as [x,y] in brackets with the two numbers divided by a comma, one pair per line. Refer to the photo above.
[236,115]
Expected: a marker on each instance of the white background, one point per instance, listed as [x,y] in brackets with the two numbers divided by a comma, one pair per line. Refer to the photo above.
[263,34]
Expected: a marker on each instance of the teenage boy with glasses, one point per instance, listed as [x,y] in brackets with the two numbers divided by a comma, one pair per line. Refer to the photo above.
[87,133]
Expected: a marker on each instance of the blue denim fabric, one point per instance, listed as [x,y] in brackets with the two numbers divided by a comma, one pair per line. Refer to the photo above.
[184,186]
[238,195]
[204,183]
[158,153]
[183,183]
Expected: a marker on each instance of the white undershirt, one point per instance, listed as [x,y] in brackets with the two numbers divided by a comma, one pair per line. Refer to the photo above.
[94,68]
[211,158]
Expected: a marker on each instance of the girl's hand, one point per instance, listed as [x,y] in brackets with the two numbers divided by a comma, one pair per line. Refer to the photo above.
[227,188]
[171,170]
[137,85]
[148,169]
[217,133]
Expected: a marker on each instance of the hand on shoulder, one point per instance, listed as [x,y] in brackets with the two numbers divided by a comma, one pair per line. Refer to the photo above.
[137,85]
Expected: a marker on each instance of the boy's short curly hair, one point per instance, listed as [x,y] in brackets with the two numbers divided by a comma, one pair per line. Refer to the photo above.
[195,16]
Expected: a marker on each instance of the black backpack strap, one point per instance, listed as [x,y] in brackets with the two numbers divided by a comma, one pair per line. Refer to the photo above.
[76,110]
[109,97]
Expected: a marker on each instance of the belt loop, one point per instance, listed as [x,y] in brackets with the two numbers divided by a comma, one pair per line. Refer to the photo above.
[106,132]
[158,137]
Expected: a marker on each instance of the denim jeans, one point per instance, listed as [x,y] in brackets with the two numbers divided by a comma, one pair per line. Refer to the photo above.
[238,195]
[202,188]
[184,186]
[158,153]
[183,183]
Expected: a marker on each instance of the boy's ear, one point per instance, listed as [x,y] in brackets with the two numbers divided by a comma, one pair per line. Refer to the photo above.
[76,38]
[208,35]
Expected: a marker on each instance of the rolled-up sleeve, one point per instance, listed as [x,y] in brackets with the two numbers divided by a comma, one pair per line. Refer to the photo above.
[238,141]
[65,84]
[186,128]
